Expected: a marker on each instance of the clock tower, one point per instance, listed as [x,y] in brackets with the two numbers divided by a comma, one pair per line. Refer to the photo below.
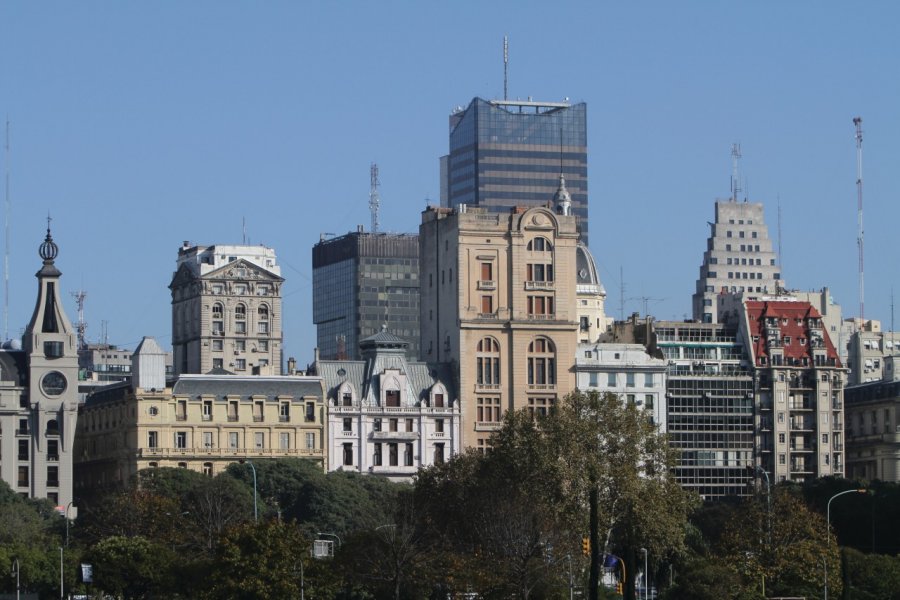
[51,351]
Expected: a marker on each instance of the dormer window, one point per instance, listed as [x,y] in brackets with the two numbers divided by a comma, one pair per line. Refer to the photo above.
[392,398]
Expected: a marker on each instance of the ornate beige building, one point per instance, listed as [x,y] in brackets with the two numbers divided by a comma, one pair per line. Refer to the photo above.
[226,310]
[39,395]
[498,298]
[199,422]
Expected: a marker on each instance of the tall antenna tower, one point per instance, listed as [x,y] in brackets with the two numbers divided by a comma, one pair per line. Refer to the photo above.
[857,121]
[6,252]
[506,67]
[780,254]
[374,200]
[735,176]
[81,325]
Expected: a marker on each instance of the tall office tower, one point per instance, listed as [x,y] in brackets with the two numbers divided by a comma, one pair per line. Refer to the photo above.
[709,407]
[39,395]
[738,258]
[510,153]
[800,390]
[361,282]
[226,310]
[498,297]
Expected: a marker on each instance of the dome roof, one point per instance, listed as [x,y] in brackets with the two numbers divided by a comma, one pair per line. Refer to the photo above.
[586,276]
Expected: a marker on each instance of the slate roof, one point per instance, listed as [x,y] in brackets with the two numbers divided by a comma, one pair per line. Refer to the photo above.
[231,385]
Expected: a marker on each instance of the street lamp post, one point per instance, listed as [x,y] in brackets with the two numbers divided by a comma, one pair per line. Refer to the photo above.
[16,573]
[828,528]
[61,592]
[253,468]
[68,506]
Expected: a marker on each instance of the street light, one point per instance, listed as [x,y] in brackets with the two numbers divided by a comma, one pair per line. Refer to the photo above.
[16,573]
[68,506]
[644,550]
[828,528]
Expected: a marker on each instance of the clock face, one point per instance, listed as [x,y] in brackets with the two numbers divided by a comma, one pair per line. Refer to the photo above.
[54,383]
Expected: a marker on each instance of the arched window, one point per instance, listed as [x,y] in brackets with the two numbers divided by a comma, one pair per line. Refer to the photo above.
[52,427]
[540,244]
[240,319]
[262,317]
[487,362]
[208,469]
[541,362]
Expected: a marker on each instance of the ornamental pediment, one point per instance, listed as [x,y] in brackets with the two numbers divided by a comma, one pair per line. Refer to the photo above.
[242,270]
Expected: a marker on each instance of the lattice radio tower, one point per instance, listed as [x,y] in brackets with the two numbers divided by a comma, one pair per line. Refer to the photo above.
[857,121]
[81,325]
[374,200]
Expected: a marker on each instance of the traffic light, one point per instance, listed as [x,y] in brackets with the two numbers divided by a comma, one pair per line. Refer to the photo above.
[619,588]
[586,546]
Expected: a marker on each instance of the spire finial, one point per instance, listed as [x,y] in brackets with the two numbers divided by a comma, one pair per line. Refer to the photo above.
[48,250]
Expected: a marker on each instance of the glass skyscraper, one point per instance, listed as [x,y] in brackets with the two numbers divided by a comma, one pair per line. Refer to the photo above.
[362,282]
[510,153]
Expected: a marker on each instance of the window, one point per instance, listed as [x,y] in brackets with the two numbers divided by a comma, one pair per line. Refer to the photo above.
[284,412]
[348,455]
[263,345]
[310,412]
[611,380]
[53,476]
[218,323]
[23,449]
[629,379]
[782,459]
[348,424]
[259,439]
[207,439]
[541,362]
[409,424]
[392,454]
[584,324]
[487,361]
[392,425]
[592,380]
[233,440]
[540,244]
[648,380]
[408,455]
[217,345]
[487,305]
[232,410]
[52,449]
[310,441]
[487,271]
[539,272]
[648,401]
[488,410]
[376,425]
[347,399]
[284,441]
[780,438]
[540,306]
[376,456]
[218,364]
[439,401]
[207,410]
[439,426]
[181,439]
[240,319]
[392,398]
[262,318]
[181,410]
[439,454]
[540,407]
[824,438]
[240,364]
[208,469]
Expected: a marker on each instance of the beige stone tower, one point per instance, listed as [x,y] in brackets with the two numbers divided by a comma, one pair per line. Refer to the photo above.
[498,298]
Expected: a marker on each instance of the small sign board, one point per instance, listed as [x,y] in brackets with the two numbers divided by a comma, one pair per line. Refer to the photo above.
[323,548]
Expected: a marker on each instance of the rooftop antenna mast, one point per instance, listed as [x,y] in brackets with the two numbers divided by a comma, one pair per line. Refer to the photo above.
[735,177]
[244,230]
[780,255]
[81,325]
[505,67]
[857,121]
[374,200]
[6,251]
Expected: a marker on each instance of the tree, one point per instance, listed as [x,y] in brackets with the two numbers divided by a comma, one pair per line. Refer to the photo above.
[792,557]
[131,567]
[614,464]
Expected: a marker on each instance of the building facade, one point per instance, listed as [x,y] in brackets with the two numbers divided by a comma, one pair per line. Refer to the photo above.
[868,349]
[738,258]
[592,319]
[873,426]
[198,422]
[800,390]
[39,395]
[362,281]
[388,415]
[498,298]
[628,371]
[226,310]
[505,154]
[710,408]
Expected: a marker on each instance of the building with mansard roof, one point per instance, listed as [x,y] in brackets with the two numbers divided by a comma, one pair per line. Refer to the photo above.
[388,415]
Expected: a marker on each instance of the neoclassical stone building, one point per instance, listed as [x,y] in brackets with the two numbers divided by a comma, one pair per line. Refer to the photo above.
[226,310]
[498,298]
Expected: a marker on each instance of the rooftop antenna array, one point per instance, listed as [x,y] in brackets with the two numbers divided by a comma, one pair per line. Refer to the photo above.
[81,325]
[505,67]
[374,200]
[857,121]
[735,177]
[6,251]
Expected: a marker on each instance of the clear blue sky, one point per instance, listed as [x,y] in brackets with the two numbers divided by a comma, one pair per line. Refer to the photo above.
[140,125]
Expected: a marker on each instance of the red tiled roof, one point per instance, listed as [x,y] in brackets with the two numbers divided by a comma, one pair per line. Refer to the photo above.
[787,314]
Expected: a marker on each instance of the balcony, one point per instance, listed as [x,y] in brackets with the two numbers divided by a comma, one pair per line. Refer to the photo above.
[538,285]
[541,386]
[22,432]
[487,387]
[541,317]
[257,418]
[484,284]
[53,458]
[232,418]
[395,435]
[181,417]
[492,315]
[284,418]
[207,417]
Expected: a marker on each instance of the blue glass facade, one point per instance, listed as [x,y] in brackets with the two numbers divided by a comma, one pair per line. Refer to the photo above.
[506,154]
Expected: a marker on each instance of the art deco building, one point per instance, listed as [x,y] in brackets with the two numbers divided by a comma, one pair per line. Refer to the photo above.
[226,310]
[361,282]
[198,422]
[498,298]
[505,154]
[873,426]
[800,390]
[39,395]
[388,415]
[738,258]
